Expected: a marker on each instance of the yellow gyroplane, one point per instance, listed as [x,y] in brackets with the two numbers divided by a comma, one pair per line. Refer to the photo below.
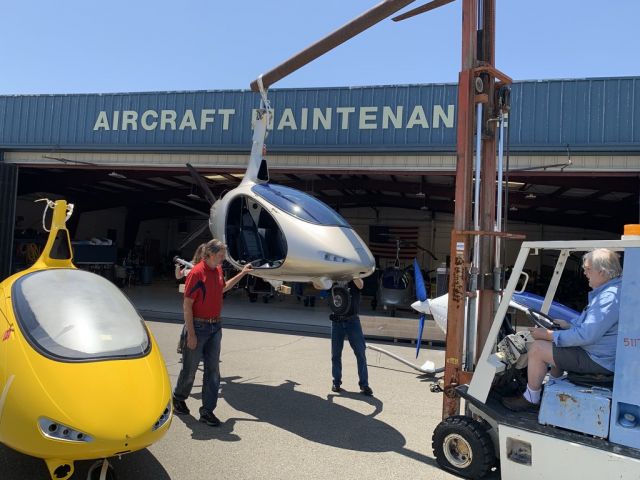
[81,376]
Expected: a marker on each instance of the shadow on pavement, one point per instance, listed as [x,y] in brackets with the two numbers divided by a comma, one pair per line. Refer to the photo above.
[134,466]
[317,419]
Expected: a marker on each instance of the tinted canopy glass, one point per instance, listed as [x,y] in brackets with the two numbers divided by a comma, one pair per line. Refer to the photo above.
[77,315]
[300,205]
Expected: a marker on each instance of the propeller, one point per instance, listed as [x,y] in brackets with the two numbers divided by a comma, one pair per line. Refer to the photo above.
[202,183]
[422,304]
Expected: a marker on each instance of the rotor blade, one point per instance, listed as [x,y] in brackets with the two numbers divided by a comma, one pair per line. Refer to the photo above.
[421,291]
[419,337]
[426,250]
[331,41]
[188,208]
[200,181]
[421,9]
[195,234]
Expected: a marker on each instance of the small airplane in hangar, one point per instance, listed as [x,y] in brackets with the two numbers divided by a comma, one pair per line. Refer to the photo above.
[81,376]
[287,235]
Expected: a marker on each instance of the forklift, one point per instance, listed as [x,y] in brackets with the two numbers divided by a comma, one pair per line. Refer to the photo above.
[586,426]
[582,429]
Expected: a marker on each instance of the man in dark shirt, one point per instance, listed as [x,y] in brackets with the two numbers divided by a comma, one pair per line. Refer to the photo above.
[349,326]
[201,308]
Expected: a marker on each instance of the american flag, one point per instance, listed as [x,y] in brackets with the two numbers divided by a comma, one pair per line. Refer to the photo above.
[382,241]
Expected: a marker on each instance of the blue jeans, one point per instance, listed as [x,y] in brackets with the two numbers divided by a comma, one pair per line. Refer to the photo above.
[353,331]
[209,337]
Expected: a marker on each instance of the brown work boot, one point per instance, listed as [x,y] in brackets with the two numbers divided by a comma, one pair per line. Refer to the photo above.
[520,404]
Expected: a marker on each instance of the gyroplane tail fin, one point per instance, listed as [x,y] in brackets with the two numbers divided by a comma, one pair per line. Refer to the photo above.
[57,252]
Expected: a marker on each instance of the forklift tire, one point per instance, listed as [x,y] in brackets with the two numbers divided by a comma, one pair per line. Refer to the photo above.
[462,445]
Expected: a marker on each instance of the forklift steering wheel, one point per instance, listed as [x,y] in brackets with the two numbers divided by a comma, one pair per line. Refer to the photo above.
[542,319]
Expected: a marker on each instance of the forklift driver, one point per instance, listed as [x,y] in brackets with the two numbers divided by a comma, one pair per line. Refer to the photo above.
[587,345]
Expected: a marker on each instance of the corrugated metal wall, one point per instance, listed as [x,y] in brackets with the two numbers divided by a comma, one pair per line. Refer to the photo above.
[589,115]
[8,190]
[593,114]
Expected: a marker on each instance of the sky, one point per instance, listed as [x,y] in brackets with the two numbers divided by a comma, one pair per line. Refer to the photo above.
[84,46]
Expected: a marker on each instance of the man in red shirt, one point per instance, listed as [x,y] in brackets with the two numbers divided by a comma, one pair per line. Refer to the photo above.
[201,308]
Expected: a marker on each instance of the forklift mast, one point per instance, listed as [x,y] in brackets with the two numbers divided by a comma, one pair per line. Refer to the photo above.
[479,111]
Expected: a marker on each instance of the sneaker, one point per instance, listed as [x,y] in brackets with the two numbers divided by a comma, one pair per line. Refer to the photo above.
[335,388]
[209,418]
[366,390]
[520,404]
[180,407]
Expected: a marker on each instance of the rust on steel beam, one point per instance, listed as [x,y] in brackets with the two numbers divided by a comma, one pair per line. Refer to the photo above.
[487,256]
[495,73]
[462,215]
[331,41]
[453,361]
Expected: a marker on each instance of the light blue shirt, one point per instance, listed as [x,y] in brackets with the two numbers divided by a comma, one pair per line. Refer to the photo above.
[596,329]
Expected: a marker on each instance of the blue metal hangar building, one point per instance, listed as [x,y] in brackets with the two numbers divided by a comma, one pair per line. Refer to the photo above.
[381,155]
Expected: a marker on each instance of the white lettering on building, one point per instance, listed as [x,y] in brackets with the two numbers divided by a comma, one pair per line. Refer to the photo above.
[188,121]
[151,120]
[129,119]
[417,118]
[320,117]
[344,113]
[145,120]
[287,120]
[438,114]
[388,115]
[368,118]
[292,119]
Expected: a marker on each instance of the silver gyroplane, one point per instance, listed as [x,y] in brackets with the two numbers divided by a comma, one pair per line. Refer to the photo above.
[81,376]
[287,235]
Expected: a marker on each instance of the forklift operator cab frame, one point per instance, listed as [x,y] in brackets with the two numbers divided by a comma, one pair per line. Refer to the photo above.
[524,446]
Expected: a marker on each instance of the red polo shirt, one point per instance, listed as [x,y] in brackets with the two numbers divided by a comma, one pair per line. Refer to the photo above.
[205,287]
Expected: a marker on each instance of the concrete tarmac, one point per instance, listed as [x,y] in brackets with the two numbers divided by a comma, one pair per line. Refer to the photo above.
[281,420]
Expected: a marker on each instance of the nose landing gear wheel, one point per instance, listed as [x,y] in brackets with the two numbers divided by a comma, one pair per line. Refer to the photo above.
[101,470]
[340,300]
[463,446]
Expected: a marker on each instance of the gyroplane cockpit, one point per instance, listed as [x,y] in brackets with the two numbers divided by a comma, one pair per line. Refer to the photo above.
[99,322]
[252,232]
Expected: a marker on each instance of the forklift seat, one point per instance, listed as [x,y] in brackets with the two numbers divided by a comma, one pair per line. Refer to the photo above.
[591,379]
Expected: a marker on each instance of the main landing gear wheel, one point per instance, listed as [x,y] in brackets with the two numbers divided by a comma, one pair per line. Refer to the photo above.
[340,300]
[463,446]
[101,470]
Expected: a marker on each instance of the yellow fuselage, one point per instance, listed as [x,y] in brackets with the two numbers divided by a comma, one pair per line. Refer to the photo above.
[116,402]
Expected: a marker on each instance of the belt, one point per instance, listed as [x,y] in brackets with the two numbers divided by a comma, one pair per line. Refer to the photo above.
[207,320]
